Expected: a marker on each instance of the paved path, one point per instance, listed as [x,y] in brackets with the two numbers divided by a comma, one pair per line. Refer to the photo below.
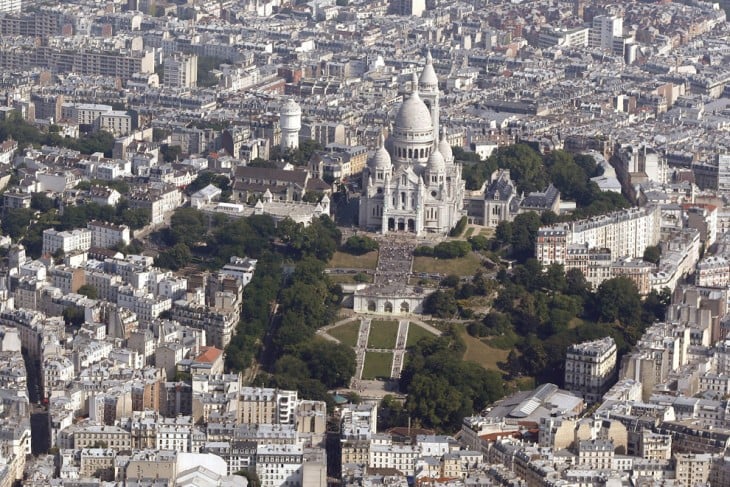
[399,353]
[362,343]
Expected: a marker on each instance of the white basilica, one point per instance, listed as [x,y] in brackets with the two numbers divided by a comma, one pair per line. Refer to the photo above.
[413,185]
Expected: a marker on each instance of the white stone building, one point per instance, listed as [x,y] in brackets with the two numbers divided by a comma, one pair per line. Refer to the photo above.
[108,234]
[625,233]
[590,368]
[412,183]
[78,239]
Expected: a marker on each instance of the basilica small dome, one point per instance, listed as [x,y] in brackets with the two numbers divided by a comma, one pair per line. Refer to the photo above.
[381,158]
[436,162]
[445,149]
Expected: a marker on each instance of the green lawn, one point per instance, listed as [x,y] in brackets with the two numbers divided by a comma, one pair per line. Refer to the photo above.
[462,266]
[346,333]
[415,333]
[469,232]
[382,334]
[481,353]
[344,260]
[377,365]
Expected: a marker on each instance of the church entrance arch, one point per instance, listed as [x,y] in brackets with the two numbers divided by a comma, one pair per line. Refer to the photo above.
[391,224]
[372,306]
[412,225]
[401,225]
[388,308]
[404,307]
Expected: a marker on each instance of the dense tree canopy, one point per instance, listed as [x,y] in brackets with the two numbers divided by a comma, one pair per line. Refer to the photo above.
[542,311]
[442,388]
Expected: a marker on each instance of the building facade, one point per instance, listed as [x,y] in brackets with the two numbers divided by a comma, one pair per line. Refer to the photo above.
[590,368]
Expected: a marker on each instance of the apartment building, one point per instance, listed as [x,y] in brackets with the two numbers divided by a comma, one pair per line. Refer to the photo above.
[218,323]
[259,405]
[692,469]
[180,71]
[116,122]
[590,368]
[160,200]
[10,5]
[279,465]
[107,235]
[66,241]
[624,233]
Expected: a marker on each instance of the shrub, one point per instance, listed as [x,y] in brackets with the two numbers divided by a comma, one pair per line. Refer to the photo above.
[451,250]
[423,251]
[458,228]
[359,245]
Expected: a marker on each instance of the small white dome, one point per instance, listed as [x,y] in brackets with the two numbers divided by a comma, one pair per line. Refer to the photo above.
[436,162]
[445,148]
[428,80]
[381,158]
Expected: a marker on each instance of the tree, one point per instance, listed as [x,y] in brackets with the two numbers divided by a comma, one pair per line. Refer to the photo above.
[41,202]
[503,232]
[313,196]
[479,242]
[73,316]
[170,153]
[187,226]
[16,222]
[524,235]
[333,364]
[360,244]
[206,64]
[451,249]
[361,277]
[555,278]
[89,291]
[525,165]
[459,227]
[652,254]
[174,258]
[618,299]
[441,304]
[576,283]
[655,305]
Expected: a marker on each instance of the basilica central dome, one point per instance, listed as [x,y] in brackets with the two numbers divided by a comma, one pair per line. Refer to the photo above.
[414,115]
